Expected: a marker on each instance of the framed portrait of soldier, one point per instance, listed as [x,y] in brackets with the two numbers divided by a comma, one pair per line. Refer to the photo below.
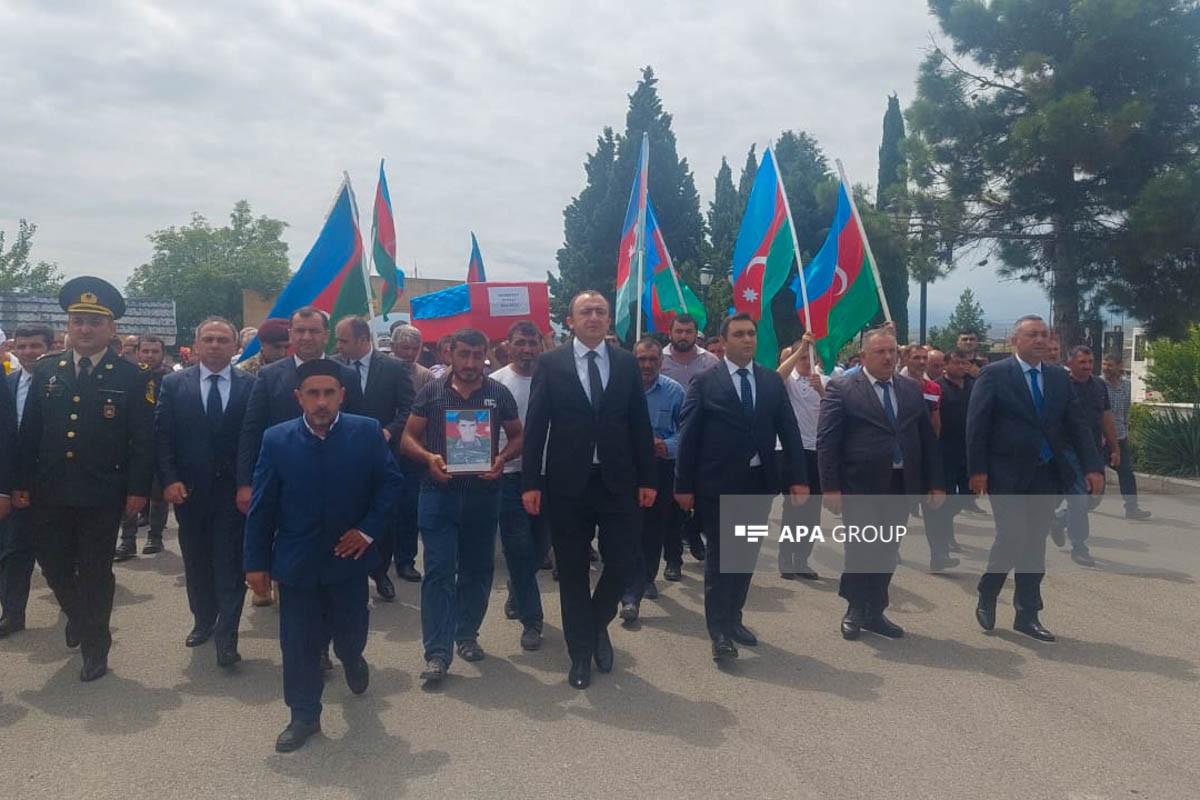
[468,440]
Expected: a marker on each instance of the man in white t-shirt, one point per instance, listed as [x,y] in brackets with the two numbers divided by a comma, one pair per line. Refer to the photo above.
[805,389]
[521,536]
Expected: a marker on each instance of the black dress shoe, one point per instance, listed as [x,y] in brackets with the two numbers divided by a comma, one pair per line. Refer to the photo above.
[699,552]
[11,625]
[510,607]
[1083,558]
[383,585]
[93,667]
[358,675]
[801,573]
[955,547]
[469,650]
[1032,628]
[1137,513]
[580,676]
[985,613]
[153,545]
[880,624]
[295,735]
[228,655]
[435,670]
[628,612]
[408,573]
[198,636]
[940,563]
[723,648]
[71,635]
[604,651]
[743,635]
[531,637]
[852,623]
[672,572]
[650,592]
[125,551]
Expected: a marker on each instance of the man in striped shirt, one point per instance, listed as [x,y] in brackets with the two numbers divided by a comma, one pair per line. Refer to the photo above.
[1119,397]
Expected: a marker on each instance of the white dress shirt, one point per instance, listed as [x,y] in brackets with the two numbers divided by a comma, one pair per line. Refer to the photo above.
[806,405]
[878,384]
[581,369]
[737,388]
[1025,367]
[23,384]
[224,385]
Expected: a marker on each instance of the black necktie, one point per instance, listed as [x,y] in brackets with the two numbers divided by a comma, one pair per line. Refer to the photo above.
[747,393]
[85,370]
[213,404]
[358,365]
[594,382]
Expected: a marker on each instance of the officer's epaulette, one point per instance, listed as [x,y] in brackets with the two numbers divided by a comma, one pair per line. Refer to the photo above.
[54,354]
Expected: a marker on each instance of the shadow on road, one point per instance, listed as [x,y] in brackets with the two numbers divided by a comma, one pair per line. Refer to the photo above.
[111,706]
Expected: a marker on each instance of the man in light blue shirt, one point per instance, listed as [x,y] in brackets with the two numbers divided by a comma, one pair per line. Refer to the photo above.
[664,398]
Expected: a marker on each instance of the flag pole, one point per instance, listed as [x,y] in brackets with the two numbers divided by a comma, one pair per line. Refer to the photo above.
[812,350]
[366,276]
[887,312]
[641,230]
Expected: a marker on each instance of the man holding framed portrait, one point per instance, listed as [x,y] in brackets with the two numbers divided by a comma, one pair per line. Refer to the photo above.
[452,429]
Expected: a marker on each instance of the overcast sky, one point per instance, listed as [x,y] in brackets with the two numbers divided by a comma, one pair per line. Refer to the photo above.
[123,117]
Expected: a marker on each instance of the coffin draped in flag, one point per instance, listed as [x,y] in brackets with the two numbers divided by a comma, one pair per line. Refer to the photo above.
[762,256]
[475,273]
[491,307]
[383,250]
[665,295]
[331,277]
[842,295]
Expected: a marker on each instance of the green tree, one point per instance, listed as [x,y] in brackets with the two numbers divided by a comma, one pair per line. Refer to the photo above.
[1175,368]
[890,193]
[724,218]
[592,221]
[1044,126]
[18,273]
[204,269]
[967,316]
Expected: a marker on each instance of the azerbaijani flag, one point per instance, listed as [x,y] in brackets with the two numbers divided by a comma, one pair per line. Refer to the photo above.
[383,252]
[631,241]
[475,272]
[331,277]
[665,295]
[842,295]
[763,255]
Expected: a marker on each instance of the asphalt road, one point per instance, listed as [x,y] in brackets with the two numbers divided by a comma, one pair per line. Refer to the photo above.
[1112,710]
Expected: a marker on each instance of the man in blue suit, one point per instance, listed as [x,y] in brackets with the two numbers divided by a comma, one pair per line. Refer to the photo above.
[325,487]
[1021,420]
[196,426]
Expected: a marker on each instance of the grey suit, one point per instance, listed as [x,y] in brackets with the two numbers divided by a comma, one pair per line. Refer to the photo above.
[855,452]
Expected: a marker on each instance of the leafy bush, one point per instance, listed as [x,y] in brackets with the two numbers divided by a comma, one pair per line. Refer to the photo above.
[1166,441]
[1175,370]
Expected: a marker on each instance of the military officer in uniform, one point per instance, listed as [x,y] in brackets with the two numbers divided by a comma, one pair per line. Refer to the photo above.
[85,462]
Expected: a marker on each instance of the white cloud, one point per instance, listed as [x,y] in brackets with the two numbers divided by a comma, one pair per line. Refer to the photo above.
[121,118]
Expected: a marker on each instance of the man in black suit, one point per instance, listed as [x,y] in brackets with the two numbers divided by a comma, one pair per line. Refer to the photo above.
[1021,420]
[387,391]
[17,550]
[587,399]
[196,426]
[273,398]
[875,440]
[732,416]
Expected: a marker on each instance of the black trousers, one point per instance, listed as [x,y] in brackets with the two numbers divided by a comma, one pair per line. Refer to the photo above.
[869,565]
[210,537]
[793,556]
[725,592]
[572,522]
[655,522]
[310,617]
[403,546]
[17,556]
[1022,524]
[939,522]
[156,510]
[75,548]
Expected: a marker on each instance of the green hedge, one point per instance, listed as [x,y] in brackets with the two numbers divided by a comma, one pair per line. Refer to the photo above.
[1165,441]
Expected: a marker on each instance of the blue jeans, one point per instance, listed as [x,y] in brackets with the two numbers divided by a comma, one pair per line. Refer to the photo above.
[1079,503]
[522,552]
[458,527]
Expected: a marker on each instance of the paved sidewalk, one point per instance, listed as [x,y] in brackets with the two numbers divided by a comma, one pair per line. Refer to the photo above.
[1110,711]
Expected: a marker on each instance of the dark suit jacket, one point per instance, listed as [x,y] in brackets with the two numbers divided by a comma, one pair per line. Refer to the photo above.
[309,491]
[717,442]
[855,436]
[8,432]
[389,394]
[1004,434]
[272,401]
[185,447]
[559,410]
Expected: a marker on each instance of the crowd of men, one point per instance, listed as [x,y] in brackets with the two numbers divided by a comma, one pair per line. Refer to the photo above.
[307,477]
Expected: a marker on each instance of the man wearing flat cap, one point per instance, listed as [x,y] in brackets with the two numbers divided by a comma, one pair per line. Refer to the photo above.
[86,462]
[325,487]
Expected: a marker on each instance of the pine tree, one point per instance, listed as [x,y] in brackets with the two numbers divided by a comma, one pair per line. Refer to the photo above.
[724,216]
[592,222]
[893,256]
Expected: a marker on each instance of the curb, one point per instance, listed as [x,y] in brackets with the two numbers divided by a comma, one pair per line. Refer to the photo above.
[1164,484]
